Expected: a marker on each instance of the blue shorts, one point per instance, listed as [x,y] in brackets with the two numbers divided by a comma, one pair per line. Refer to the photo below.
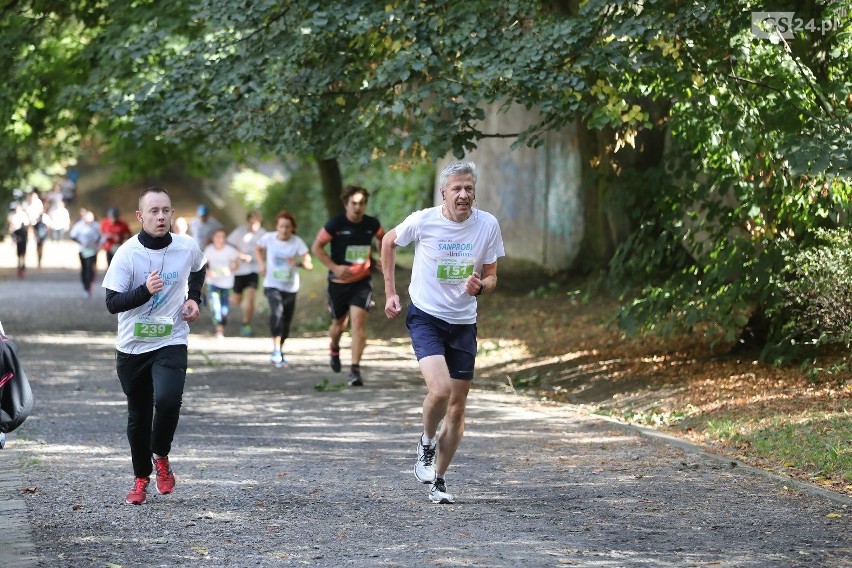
[433,336]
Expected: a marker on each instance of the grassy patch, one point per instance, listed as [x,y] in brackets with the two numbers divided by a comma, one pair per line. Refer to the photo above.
[652,417]
[326,386]
[792,420]
[209,361]
[31,462]
[820,444]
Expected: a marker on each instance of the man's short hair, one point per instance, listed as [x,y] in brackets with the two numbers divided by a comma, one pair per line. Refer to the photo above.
[351,190]
[457,169]
[148,190]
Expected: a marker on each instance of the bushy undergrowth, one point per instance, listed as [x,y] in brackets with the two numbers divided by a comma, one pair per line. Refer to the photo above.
[814,306]
[799,293]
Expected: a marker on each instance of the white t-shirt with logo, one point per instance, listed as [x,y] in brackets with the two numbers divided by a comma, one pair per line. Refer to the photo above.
[446,253]
[88,237]
[246,243]
[159,321]
[219,262]
[280,274]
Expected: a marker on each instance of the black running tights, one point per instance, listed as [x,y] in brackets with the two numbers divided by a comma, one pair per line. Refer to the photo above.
[282,305]
[153,383]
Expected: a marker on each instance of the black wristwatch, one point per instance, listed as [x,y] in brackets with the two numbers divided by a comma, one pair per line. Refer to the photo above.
[481,288]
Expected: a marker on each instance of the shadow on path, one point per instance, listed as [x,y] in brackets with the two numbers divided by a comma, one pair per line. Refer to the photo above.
[273,472]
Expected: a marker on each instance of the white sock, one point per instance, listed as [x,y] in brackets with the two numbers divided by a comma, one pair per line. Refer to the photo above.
[426,441]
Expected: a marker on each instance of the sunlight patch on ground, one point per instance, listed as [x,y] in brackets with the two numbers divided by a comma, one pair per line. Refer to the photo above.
[598,439]
[337,436]
[800,418]
[61,451]
[569,438]
[201,459]
[524,410]
[501,349]
[75,338]
[513,356]
[299,351]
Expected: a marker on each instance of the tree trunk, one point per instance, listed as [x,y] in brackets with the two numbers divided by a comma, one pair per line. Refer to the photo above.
[598,244]
[607,217]
[332,185]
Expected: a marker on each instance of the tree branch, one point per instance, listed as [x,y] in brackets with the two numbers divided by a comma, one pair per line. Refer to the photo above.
[771,88]
[9,7]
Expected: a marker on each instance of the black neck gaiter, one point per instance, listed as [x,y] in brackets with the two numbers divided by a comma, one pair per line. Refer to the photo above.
[154,243]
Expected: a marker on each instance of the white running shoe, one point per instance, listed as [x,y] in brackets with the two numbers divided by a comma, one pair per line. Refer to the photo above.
[424,468]
[438,493]
[275,358]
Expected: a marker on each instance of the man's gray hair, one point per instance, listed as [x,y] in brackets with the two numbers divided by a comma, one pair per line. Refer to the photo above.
[457,169]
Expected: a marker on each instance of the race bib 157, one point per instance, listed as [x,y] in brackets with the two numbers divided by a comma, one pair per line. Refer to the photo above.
[453,269]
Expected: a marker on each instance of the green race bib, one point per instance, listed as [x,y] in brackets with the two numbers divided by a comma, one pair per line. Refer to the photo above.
[357,254]
[283,273]
[148,328]
[453,269]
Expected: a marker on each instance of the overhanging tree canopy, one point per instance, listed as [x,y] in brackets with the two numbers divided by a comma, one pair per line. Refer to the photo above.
[756,131]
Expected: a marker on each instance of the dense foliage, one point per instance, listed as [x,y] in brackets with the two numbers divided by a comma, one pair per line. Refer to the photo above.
[815,286]
[394,191]
[750,131]
[758,160]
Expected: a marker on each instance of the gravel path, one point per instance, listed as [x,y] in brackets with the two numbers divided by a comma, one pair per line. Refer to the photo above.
[273,472]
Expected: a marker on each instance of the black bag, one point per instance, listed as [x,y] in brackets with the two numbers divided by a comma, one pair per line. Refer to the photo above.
[16,396]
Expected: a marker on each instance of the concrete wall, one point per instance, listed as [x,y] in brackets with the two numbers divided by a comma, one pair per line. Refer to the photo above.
[534,193]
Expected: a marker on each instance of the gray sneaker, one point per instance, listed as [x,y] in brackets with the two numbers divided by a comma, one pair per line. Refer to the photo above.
[355,379]
[438,493]
[424,468]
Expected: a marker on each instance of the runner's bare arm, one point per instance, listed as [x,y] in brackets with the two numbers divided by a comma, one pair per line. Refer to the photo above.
[318,250]
[260,253]
[392,305]
[478,284]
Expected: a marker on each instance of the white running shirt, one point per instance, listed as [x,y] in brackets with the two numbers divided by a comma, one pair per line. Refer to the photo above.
[280,274]
[246,243]
[445,255]
[130,268]
[219,262]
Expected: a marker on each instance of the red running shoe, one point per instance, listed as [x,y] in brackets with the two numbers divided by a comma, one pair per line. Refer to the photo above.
[139,492]
[165,477]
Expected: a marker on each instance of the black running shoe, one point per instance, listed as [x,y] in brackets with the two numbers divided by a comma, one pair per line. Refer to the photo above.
[334,362]
[355,379]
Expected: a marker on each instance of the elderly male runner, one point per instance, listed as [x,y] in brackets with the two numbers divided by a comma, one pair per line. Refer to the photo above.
[154,285]
[456,248]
